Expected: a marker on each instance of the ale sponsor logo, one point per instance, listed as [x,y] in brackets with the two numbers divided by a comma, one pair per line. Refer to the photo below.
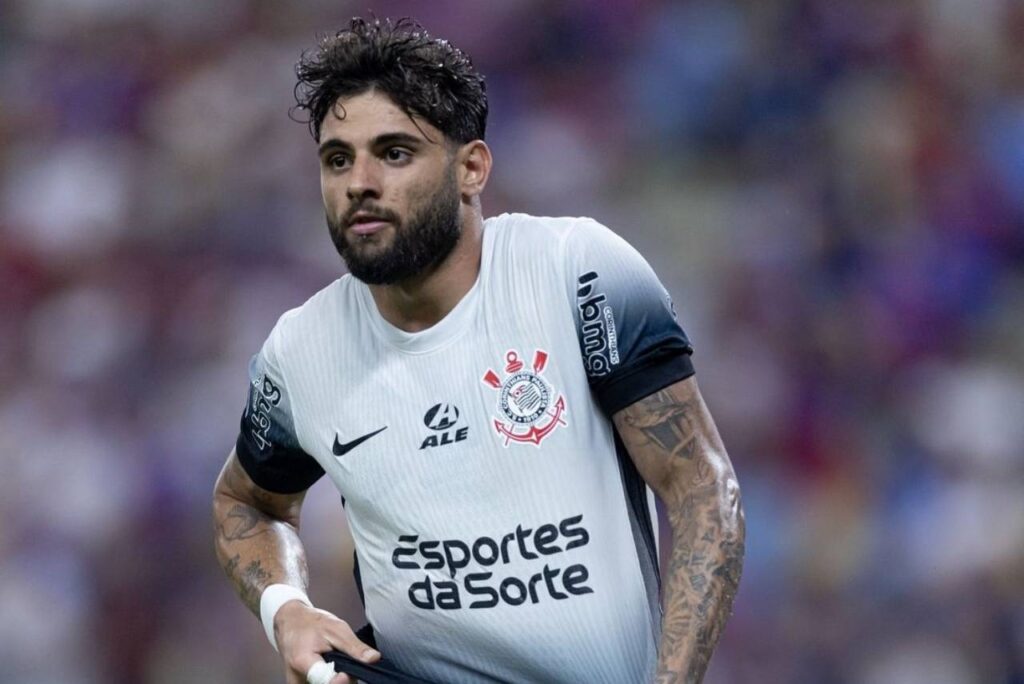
[443,420]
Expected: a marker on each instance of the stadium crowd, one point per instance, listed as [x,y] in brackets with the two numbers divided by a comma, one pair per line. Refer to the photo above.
[833,190]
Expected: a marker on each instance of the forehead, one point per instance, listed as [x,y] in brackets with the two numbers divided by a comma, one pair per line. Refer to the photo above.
[362,117]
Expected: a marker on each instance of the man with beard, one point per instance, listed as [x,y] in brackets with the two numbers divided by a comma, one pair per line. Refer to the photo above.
[492,399]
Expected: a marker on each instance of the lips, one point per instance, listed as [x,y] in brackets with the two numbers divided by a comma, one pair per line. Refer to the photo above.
[367,224]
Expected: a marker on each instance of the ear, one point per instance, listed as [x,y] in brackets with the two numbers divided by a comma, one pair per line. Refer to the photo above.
[473,167]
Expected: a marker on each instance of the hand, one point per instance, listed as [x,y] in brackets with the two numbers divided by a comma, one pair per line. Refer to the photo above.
[303,633]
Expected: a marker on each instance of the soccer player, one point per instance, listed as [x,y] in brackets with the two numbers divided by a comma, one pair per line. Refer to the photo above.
[492,399]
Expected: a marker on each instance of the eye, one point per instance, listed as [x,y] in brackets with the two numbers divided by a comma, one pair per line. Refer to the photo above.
[337,161]
[397,155]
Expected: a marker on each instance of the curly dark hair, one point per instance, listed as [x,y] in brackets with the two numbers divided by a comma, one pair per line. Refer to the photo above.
[424,76]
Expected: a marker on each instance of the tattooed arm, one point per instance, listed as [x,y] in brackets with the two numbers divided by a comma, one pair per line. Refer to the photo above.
[257,541]
[256,535]
[676,448]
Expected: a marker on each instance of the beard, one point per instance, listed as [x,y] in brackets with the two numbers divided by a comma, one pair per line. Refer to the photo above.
[419,244]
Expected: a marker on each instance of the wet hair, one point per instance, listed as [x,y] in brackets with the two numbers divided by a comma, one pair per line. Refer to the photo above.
[424,76]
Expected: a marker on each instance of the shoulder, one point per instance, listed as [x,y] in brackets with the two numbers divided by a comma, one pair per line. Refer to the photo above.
[319,315]
[543,234]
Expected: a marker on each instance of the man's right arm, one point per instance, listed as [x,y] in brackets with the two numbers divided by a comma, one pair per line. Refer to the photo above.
[256,534]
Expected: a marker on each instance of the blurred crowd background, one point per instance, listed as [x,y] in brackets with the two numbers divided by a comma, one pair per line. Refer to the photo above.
[833,190]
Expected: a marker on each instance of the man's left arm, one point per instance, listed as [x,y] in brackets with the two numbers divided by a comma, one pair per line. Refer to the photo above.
[672,439]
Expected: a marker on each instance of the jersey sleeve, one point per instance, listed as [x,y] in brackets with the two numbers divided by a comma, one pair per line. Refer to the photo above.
[267,446]
[631,343]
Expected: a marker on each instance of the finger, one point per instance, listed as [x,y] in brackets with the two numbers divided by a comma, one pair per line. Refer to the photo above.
[354,647]
[293,677]
[320,673]
[344,679]
[344,639]
[332,634]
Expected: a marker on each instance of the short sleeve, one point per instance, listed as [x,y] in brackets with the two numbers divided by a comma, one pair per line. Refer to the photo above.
[268,447]
[631,343]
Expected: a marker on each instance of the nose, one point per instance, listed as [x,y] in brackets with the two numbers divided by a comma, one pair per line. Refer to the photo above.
[363,180]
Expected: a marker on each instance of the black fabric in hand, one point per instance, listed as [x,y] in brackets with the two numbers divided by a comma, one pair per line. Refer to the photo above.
[380,672]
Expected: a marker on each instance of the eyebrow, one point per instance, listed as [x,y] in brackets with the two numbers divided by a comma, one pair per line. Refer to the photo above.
[384,139]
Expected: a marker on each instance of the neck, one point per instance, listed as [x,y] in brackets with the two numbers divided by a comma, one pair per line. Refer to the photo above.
[420,302]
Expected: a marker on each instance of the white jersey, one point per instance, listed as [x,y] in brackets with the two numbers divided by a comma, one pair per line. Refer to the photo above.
[501,532]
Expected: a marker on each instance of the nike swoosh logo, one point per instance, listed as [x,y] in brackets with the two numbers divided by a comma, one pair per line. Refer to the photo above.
[342,449]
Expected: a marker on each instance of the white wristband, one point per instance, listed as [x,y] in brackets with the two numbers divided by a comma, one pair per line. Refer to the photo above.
[271,600]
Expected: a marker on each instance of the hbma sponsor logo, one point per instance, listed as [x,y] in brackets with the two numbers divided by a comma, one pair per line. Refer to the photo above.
[597,326]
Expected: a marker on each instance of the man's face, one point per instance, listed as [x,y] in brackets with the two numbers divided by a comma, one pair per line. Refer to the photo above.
[390,193]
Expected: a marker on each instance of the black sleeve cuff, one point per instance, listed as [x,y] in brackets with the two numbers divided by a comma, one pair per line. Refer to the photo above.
[282,471]
[654,371]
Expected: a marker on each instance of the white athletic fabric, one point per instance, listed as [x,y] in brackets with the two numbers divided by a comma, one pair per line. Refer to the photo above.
[500,531]
[271,600]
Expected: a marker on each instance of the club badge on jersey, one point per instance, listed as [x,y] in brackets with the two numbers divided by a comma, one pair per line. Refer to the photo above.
[527,408]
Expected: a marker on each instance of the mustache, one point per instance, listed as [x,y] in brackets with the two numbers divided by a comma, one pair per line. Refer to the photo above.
[379,212]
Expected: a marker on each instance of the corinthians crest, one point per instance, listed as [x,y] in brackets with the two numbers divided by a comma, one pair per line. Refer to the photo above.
[526,401]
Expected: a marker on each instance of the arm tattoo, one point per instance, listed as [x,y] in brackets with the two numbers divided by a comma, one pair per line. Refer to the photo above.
[702,579]
[666,423]
[256,537]
[231,566]
[255,580]
[672,439]
[243,522]
[256,551]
